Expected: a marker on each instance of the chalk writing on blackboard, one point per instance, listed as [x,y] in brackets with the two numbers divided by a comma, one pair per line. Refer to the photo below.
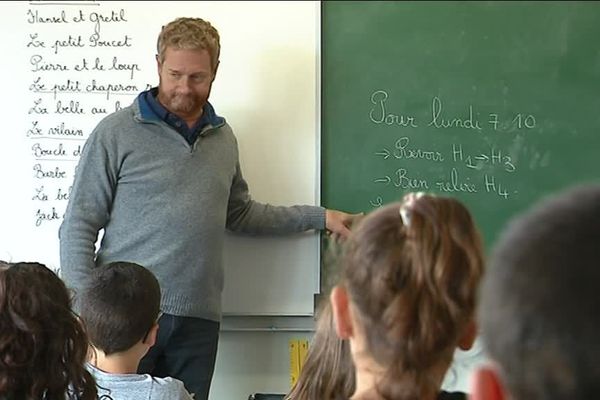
[439,119]
[468,171]
[403,151]
[380,115]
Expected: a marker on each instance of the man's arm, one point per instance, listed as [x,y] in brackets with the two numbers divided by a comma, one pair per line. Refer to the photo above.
[248,216]
[88,211]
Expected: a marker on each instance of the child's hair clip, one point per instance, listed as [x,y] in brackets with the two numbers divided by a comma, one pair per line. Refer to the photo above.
[405,215]
[407,205]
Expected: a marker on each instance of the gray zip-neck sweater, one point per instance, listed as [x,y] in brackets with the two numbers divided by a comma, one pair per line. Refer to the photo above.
[165,205]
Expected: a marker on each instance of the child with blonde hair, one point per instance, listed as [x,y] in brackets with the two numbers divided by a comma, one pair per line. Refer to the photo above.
[407,297]
[328,371]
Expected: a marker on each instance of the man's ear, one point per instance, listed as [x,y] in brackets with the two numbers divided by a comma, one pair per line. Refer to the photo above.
[486,384]
[158,63]
[340,305]
[468,337]
[215,71]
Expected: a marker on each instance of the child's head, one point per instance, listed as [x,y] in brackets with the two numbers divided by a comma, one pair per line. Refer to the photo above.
[43,346]
[120,306]
[328,371]
[410,273]
[540,301]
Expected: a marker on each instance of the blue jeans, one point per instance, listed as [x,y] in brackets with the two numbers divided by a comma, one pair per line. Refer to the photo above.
[186,349]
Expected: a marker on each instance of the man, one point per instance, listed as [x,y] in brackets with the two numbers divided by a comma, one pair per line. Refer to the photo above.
[162,177]
[540,302]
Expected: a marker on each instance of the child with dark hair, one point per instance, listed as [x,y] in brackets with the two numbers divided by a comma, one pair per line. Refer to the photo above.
[540,301]
[43,346]
[120,310]
[406,301]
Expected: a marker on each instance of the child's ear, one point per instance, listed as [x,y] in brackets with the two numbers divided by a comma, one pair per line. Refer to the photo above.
[152,335]
[486,384]
[340,306]
[468,337]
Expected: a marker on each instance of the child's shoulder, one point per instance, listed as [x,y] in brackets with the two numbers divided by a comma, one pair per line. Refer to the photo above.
[137,386]
[169,388]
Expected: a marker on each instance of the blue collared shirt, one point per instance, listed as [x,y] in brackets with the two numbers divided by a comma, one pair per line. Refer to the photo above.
[190,134]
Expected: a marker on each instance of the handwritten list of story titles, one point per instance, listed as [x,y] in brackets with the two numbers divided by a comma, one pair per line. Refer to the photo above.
[81,67]
[465,172]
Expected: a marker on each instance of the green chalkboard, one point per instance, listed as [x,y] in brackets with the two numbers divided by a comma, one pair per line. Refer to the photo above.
[495,103]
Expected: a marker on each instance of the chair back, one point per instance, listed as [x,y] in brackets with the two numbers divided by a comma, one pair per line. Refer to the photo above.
[266,396]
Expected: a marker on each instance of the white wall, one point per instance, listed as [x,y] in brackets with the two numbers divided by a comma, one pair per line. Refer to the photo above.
[250,362]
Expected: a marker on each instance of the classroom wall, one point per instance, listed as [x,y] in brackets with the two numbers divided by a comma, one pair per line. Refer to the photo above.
[250,362]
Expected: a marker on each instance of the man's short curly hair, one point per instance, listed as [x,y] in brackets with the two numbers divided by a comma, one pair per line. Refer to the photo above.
[190,34]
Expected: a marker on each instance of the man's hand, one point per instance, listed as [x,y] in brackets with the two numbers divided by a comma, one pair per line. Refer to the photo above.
[338,223]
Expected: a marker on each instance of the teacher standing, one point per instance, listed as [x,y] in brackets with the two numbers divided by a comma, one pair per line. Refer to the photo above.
[162,178]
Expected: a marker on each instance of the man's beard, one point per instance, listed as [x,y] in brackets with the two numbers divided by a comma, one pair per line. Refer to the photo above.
[184,103]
